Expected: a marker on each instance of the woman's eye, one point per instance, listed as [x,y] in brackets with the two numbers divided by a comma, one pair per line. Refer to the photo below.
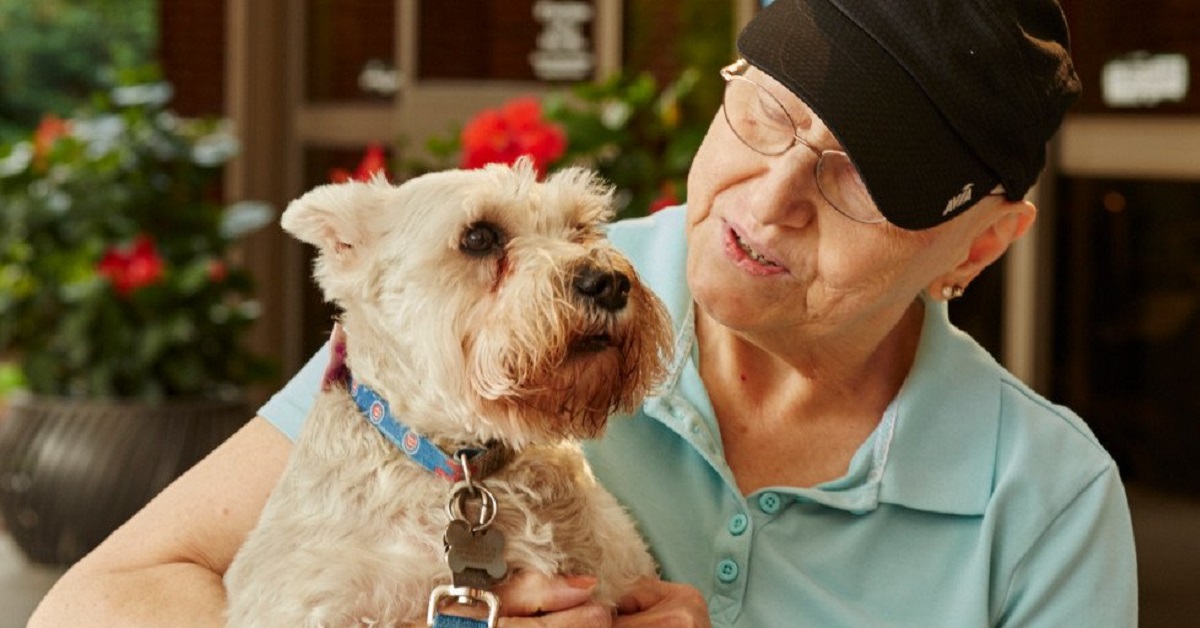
[773,114]
[480,239]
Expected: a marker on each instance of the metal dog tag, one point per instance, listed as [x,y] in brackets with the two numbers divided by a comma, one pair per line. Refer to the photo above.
[476,559]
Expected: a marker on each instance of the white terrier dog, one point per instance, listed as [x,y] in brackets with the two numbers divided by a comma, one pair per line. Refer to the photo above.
[487,320]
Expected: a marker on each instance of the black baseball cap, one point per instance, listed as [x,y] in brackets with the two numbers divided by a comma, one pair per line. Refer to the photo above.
[936,101]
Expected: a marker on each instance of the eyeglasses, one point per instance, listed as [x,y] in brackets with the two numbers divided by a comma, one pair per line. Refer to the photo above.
[762,123]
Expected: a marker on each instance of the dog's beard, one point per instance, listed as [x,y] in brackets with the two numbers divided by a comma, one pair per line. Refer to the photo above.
[575,399]
[567,391]
[569,387]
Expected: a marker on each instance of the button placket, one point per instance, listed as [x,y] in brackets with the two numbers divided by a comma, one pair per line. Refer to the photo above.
[731,553]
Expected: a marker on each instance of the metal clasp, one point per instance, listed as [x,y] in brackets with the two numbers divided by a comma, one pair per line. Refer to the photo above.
[463,595]
[455,506]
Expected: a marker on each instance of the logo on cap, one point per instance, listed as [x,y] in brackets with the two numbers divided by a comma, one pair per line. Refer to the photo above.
[958,200]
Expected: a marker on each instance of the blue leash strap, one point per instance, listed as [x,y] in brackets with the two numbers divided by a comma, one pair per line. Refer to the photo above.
[454,621]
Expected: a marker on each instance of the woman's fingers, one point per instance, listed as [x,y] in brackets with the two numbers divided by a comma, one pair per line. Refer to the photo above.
[588,615]
[528,593]
[653,602]
[533,600]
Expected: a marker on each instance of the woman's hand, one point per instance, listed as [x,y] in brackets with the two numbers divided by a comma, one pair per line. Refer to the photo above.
[534,600]
[654,602]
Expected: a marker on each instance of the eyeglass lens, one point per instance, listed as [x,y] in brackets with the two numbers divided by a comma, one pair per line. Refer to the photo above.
[761,122]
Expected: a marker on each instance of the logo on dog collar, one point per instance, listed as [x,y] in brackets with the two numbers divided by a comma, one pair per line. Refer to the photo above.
[377,412]
[410,443]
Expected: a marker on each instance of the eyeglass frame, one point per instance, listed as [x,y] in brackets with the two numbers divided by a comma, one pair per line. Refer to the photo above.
[737,71]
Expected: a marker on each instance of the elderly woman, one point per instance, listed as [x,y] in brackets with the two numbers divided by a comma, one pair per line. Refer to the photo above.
[829,450]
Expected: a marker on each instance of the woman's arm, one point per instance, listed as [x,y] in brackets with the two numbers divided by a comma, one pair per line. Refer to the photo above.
[164,566]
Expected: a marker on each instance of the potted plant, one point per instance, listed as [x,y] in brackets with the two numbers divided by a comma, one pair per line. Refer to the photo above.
[122,312]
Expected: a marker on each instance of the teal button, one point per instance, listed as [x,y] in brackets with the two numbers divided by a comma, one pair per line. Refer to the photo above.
[769,503]
[727,571]
[738,524]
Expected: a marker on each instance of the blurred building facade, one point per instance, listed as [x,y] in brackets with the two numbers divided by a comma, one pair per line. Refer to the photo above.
[1099,308]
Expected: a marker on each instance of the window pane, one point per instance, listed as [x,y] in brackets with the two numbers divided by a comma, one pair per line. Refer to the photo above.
[494,39]
[351,48]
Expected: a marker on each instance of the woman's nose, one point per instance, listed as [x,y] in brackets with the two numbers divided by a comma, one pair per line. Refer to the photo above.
[786,191]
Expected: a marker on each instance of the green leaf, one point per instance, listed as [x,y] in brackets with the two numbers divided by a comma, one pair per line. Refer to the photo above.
[11,379]
[193,277]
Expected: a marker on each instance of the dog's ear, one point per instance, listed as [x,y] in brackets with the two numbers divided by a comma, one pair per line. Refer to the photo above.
[341,219]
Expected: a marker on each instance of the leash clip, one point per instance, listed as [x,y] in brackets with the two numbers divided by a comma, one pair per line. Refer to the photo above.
[474,554]
[462,595]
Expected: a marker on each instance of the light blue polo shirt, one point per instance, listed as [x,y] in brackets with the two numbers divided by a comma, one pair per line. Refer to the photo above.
[975,502]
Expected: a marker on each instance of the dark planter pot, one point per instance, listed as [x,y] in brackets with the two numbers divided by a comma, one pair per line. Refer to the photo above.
[72,471]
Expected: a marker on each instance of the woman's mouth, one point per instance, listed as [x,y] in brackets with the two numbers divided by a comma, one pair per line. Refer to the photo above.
[747,258]
[754,255]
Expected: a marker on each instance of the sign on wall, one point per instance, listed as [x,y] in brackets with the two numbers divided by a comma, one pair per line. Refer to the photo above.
[563,52]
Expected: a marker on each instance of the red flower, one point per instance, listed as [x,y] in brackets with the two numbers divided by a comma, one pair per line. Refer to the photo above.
[503,135]
[132,267]
[374,160]
[666,198]
[217,270]
[48,131]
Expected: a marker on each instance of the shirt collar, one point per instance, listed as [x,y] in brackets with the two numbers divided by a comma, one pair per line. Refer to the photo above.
[943,451]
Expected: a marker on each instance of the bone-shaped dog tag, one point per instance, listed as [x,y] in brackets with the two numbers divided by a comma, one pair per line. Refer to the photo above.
[476,559]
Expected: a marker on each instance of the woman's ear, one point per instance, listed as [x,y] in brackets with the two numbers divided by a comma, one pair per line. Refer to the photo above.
[1003,225]
[1012,221]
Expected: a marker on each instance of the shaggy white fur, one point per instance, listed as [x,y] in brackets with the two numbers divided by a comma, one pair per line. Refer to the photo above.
[483,305]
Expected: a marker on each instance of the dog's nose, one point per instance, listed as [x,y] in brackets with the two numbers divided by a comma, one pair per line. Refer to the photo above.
[608,289]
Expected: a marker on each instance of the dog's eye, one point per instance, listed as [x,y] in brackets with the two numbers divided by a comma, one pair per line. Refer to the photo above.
[480,238]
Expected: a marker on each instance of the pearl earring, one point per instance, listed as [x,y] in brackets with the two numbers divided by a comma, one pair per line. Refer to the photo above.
[952,291]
